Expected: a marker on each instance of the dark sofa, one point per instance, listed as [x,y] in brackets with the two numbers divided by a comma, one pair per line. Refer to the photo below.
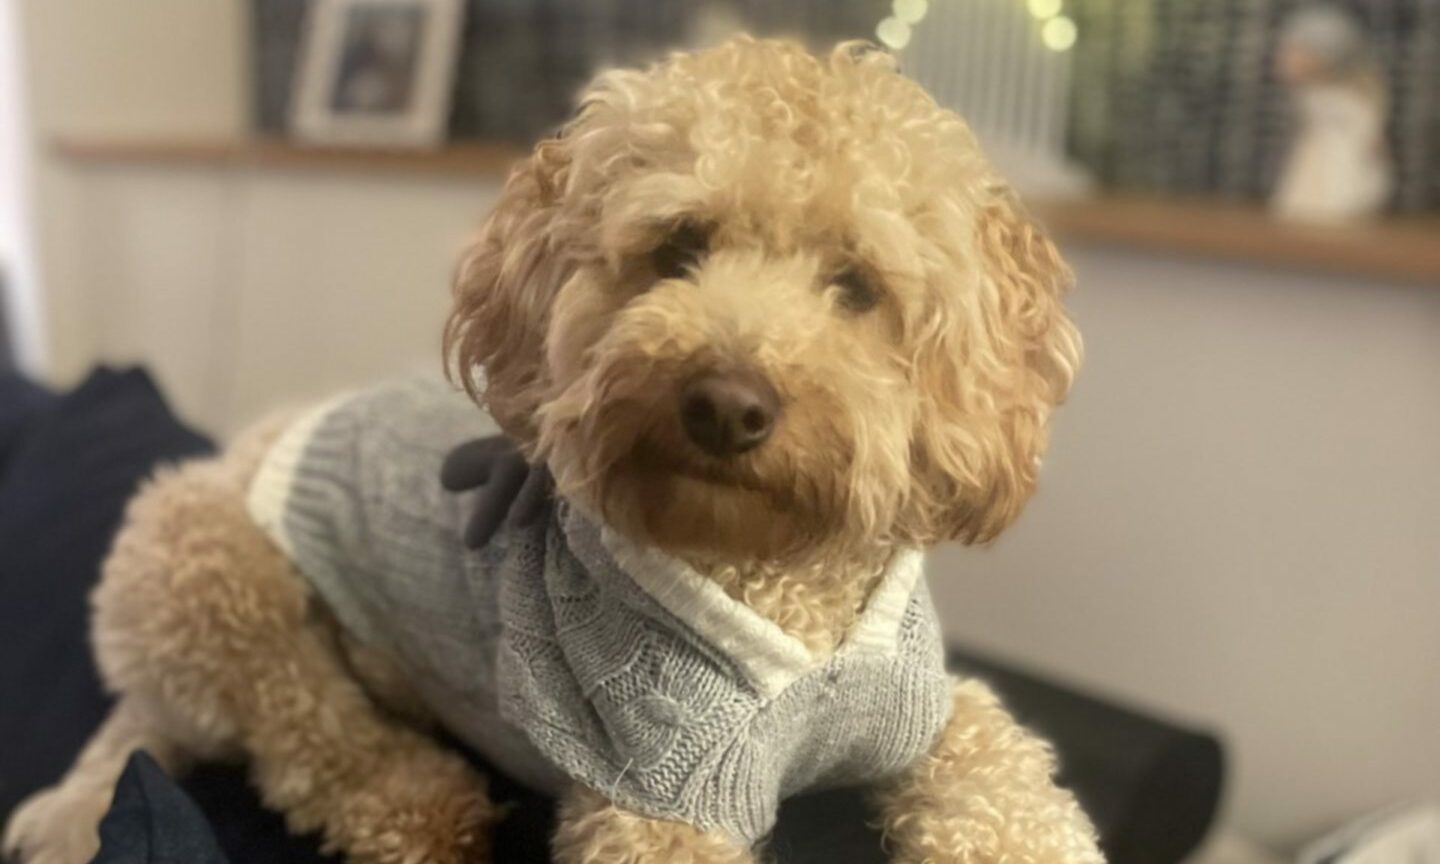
[68,463]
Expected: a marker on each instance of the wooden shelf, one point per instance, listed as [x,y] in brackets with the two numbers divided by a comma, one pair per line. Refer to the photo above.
[484,160]
[1396,249]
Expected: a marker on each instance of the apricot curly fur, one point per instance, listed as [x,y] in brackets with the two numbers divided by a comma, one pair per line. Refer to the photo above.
[917,418]
[594,831]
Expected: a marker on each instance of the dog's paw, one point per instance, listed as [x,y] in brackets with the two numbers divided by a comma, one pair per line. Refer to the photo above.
[419,813]
[592,830]
[451,831]
[59,825]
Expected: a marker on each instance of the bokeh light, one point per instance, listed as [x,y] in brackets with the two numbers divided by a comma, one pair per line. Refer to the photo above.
[1044,9]
[893,33]
[1058,34]
[910,11]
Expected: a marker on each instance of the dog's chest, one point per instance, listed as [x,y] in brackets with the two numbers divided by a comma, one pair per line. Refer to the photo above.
[680,707]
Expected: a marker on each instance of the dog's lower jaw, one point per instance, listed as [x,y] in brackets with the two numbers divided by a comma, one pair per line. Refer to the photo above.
[793,565]
[813,591]
[695,519]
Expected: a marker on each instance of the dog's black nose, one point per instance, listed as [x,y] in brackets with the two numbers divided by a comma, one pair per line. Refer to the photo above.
[728,413]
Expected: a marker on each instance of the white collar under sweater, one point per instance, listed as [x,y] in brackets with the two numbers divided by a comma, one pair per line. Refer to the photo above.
[770,658]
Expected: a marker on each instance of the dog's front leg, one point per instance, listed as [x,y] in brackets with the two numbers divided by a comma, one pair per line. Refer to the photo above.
[594,831]
[984,793]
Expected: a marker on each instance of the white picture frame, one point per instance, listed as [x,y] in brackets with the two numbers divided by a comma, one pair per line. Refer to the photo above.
[376,73]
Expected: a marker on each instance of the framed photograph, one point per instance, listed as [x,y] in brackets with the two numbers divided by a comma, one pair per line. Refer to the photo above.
[376,73]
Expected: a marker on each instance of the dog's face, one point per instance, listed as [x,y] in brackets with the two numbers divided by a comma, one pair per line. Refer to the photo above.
[753,304]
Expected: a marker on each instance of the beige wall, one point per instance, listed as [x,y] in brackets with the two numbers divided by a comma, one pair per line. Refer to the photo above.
[244,288]
[138,67]
[1240,524]
[98,69]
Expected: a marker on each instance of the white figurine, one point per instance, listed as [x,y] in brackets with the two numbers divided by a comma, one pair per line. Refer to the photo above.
[1338,168]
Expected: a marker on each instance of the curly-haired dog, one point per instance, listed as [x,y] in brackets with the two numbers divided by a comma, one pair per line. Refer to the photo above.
[775,326]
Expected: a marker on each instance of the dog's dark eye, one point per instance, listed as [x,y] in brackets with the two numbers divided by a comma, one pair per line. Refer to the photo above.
[686,244]
[857,290]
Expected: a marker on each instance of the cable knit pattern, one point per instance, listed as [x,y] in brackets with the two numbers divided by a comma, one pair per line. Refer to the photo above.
[562,650]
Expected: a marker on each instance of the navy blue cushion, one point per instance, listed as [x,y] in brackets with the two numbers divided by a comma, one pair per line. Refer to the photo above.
[21,401]
[69,466]
[151,821]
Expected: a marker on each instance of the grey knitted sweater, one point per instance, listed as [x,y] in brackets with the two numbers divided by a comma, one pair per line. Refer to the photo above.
[561,650]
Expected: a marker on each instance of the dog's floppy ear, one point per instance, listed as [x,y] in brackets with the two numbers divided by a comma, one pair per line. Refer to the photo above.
[998,359]
[503,291]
